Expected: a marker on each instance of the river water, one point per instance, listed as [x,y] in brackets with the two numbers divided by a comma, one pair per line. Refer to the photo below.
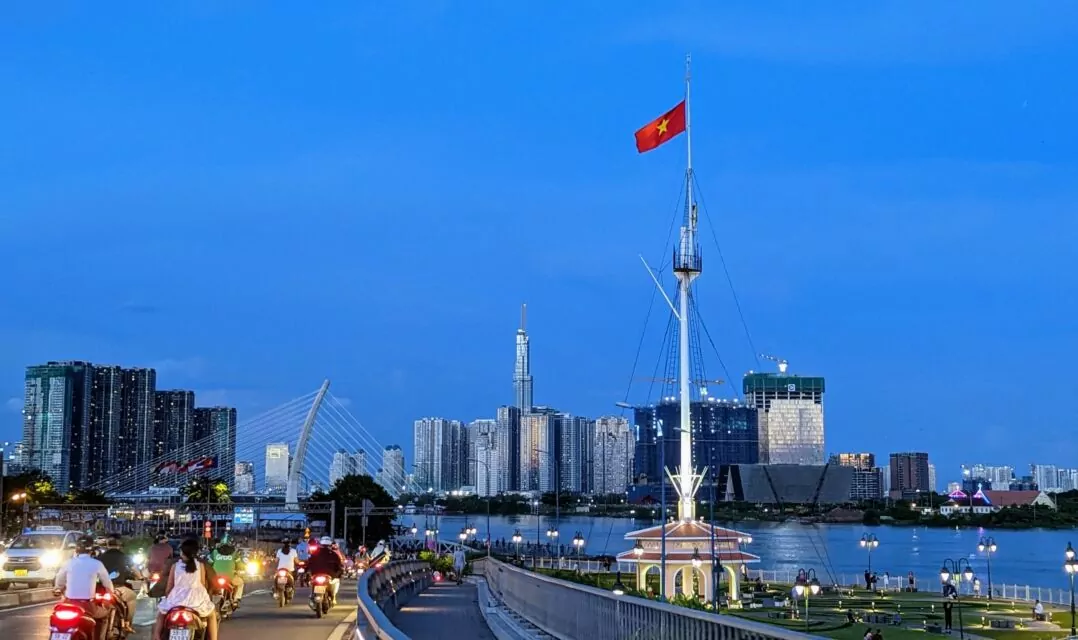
[1031,556]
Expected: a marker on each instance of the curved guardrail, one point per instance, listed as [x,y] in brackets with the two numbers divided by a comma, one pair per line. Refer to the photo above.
[381,591]
[568,610]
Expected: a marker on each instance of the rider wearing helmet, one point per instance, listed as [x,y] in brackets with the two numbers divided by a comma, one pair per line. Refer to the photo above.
[287,559]
[78,579]
[224,559]
[118,564]
[328,562]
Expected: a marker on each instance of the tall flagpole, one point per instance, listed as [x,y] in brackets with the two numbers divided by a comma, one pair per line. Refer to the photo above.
[687,267]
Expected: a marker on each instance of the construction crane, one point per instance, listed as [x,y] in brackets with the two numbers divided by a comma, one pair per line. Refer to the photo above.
[782,363]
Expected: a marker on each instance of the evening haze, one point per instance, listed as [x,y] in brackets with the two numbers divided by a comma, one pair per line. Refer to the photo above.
[252,196]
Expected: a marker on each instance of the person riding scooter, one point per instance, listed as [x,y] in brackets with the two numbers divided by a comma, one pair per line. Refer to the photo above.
[118,564]
[224,561]
[327,562]
[78,579]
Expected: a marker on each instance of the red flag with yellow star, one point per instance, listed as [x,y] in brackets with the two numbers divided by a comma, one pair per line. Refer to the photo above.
[661,129]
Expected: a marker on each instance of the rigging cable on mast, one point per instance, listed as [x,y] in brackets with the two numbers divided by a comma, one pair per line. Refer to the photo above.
[651,304]
[729,280]
[707,334]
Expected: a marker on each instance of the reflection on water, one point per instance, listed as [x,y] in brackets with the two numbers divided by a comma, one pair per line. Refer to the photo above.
[1032,556]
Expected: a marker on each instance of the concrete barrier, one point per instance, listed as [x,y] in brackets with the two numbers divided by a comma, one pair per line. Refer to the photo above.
[25,597]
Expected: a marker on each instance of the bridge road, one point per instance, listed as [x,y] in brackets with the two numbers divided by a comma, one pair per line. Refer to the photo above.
[443,610]
[259,618]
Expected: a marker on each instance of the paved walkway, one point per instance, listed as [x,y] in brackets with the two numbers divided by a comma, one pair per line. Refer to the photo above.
[444,610]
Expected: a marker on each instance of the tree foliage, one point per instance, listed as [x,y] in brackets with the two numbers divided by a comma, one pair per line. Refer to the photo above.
[206,490]
[350,492]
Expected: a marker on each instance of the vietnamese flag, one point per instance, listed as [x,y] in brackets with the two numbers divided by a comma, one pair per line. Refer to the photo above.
[661,129]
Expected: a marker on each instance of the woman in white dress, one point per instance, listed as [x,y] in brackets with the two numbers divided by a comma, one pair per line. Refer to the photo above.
[188,587]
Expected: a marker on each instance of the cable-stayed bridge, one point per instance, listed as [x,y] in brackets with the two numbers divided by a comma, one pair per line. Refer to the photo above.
[312,427]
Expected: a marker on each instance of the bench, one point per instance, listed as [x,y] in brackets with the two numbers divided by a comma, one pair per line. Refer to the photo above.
[1001,623]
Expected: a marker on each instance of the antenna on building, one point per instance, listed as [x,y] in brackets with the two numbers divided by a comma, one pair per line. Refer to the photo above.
[523,316]
[782,363]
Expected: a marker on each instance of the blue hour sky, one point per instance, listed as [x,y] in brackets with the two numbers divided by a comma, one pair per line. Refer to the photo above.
[252,196]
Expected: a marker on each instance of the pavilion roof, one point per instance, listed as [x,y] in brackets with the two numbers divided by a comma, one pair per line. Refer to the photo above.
[682,530]
[685,555]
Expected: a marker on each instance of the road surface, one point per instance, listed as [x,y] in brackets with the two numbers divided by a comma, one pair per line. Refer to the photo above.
[445,609]
[259,617]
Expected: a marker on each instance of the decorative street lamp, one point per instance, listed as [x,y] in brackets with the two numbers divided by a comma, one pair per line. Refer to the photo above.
[1071,567]
[463,535]
[696,560]
[987,546]
[578,544]
[415,529]
[869,541]
[517,538]
[619,588]
[806,585]
[952,570]
[638,549]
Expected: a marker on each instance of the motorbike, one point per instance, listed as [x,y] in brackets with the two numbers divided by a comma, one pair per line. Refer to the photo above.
[283,589]
[71,622]
[226,604]
[321,596]
[182,623]
[153,590]
[303,579]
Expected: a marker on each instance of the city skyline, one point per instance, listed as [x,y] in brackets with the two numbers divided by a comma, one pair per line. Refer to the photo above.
[886,261]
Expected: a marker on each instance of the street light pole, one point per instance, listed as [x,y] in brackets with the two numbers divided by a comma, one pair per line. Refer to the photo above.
[1071,567]
[988,547]
[869,541]
[806,585]
[953,568]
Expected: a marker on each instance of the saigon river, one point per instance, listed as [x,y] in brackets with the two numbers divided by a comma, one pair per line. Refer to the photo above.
[1029,556]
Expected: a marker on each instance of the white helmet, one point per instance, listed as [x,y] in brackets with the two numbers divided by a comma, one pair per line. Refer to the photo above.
[326,541]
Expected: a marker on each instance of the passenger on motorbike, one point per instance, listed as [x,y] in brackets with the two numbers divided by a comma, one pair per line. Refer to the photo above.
[188,586]
[118,564]
[160,553]
[286,559]
[78,580]
[224,559]
[327,562]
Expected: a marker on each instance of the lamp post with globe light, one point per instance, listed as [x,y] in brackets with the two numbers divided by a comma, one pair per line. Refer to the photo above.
[987,546]
[1071,567]
[806,585]
[869,541]
[953,569]
[517,538]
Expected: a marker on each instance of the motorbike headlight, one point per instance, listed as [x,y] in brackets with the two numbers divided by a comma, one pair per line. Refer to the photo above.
[252,568]
[139,558]
[50,559]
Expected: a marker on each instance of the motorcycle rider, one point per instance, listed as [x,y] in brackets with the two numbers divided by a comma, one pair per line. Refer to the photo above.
[78,580]
[119,564]
[224,560]
[286,559]
[328,562]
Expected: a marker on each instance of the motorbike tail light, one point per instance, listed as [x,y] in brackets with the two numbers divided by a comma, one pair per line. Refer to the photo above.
[320,580]
[67,613]
[222,581]
[183,616]
[103,597]
[155,577]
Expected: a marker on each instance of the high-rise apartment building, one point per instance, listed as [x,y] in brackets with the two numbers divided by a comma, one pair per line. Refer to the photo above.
[359,460]
[791,425]
[724,433]
[522,374]
[612,455]
[278,460]
[1045,476]
[538,452]
[393,476]
[909,474]
[489,476]
[981,476]
[244,483]
[440,454]
[932,477]
[217,426]
[867,479]
[885,479]
[57,439]
[108,447]
[482,430]
[573,448]
[174,420]
[138,423]
[343,464]
[508,442]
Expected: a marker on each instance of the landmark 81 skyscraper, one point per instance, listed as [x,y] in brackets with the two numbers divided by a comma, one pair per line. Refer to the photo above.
[522,372]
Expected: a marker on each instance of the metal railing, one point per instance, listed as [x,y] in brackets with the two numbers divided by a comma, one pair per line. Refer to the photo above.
[569,611]
[381,591]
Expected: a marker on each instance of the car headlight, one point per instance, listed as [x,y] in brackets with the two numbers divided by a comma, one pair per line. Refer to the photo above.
[50,559]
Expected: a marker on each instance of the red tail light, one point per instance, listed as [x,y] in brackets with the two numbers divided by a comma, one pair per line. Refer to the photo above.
[182,616]
[67,613]
[103,597]
[155,577]
[320,580]
[222,581]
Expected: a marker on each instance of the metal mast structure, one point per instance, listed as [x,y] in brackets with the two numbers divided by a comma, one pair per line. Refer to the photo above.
[687,267]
